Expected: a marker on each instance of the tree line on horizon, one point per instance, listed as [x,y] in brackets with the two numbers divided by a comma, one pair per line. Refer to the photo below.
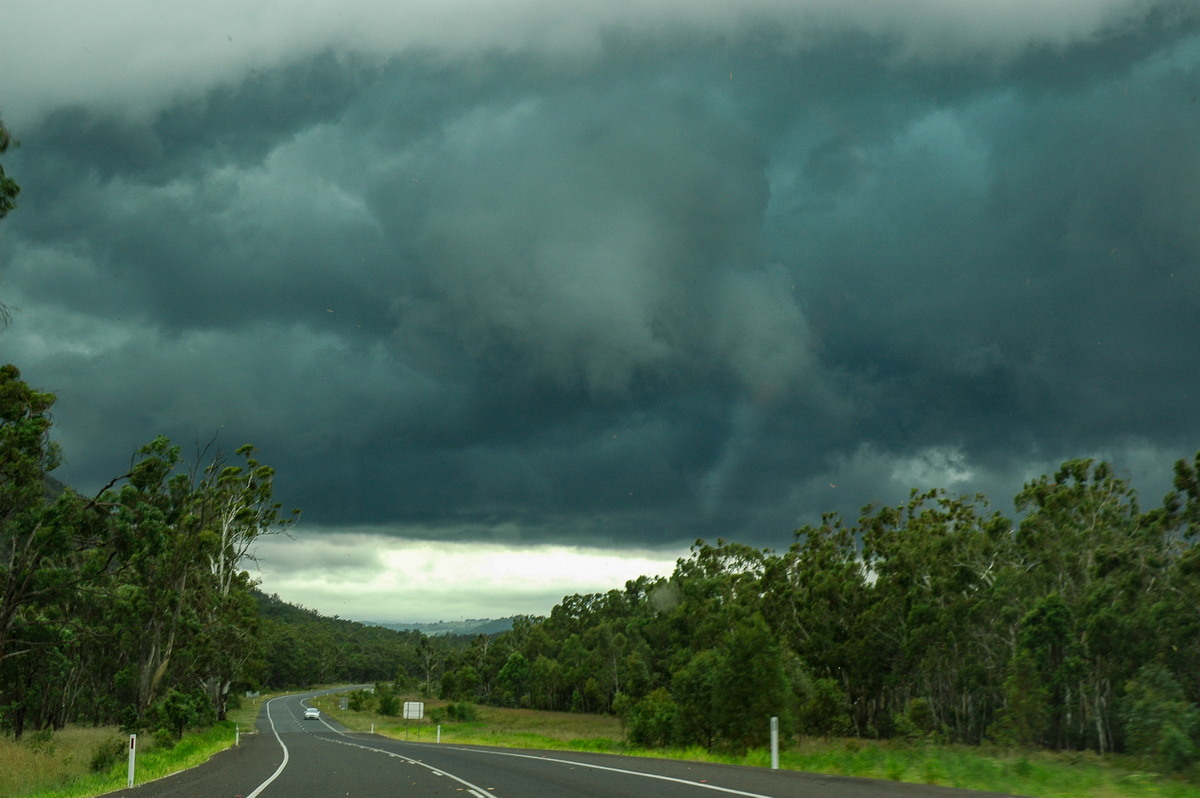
[1076,626]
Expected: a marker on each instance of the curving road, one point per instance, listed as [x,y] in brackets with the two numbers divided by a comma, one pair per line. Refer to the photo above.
[292,757]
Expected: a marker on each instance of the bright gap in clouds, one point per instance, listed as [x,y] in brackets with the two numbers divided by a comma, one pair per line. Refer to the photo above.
[373,577]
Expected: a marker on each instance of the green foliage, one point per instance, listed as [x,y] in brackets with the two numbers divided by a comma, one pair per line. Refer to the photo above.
[359,700]
[652,721]
[1159,722]
[387,700]
[917,722]
[108,753]
[825,713]
[938,619]
[178,711]
[695,685]
[1023,719]
[513,679]
[132,598]
[750,686]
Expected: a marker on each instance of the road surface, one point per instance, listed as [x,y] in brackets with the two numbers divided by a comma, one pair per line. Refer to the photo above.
[291,757]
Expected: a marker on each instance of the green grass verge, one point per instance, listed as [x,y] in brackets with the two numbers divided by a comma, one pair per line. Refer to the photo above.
[1035,774]
[63,769]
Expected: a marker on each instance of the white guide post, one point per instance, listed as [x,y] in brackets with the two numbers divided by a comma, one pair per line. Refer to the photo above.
[132,756]
[774,743]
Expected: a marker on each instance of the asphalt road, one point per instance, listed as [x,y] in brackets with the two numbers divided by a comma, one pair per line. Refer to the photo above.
[290,757]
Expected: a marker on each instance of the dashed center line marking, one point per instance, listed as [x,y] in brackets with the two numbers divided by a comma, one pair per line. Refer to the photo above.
[474,789]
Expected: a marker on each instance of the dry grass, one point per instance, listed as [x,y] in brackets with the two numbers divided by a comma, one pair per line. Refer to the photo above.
[30,766]
[495,725]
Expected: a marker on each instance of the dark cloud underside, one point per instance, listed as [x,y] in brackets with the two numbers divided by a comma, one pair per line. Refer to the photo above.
[690,286]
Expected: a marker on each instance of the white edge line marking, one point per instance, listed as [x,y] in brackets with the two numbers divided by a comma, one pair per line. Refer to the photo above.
[616,770]
[282,764]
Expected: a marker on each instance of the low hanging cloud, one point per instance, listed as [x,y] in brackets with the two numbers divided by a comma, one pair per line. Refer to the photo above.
[137,56]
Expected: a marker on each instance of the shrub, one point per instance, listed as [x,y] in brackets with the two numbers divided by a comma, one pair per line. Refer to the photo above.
[917,722]
[825,711]
[359,700]
[1159,722]
[653,719]
[389,702]
[178,711]
[107,754]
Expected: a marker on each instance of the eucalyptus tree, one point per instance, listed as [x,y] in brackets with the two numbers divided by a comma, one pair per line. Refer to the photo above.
[28,544]
[49,545]
[815,598]
[1160,722]
[228,509]
[934,608]
[1101,563]
[1179,614]
[162,562]
[189,617]
[51,549]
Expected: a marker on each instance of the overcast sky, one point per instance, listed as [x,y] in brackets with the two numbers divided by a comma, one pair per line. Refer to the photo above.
[521,298]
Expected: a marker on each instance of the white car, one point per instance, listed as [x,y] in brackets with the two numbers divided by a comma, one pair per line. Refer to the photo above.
[312,713]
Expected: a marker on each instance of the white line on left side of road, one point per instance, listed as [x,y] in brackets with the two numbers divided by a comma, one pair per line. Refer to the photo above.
[282,764]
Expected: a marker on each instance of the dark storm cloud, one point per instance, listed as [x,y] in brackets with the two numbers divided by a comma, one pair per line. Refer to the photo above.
[686,284]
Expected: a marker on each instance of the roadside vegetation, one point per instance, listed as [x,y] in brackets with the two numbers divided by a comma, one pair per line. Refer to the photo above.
[59,765]
[1073,627]
[81,762]
[1040,774]
[84,762]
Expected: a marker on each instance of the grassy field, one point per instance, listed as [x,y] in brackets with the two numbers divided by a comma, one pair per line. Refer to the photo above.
[58,767]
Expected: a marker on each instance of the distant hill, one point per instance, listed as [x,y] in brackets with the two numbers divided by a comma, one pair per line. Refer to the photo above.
[471,627]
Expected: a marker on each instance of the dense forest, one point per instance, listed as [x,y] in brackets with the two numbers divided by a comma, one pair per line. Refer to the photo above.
[1075,626]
